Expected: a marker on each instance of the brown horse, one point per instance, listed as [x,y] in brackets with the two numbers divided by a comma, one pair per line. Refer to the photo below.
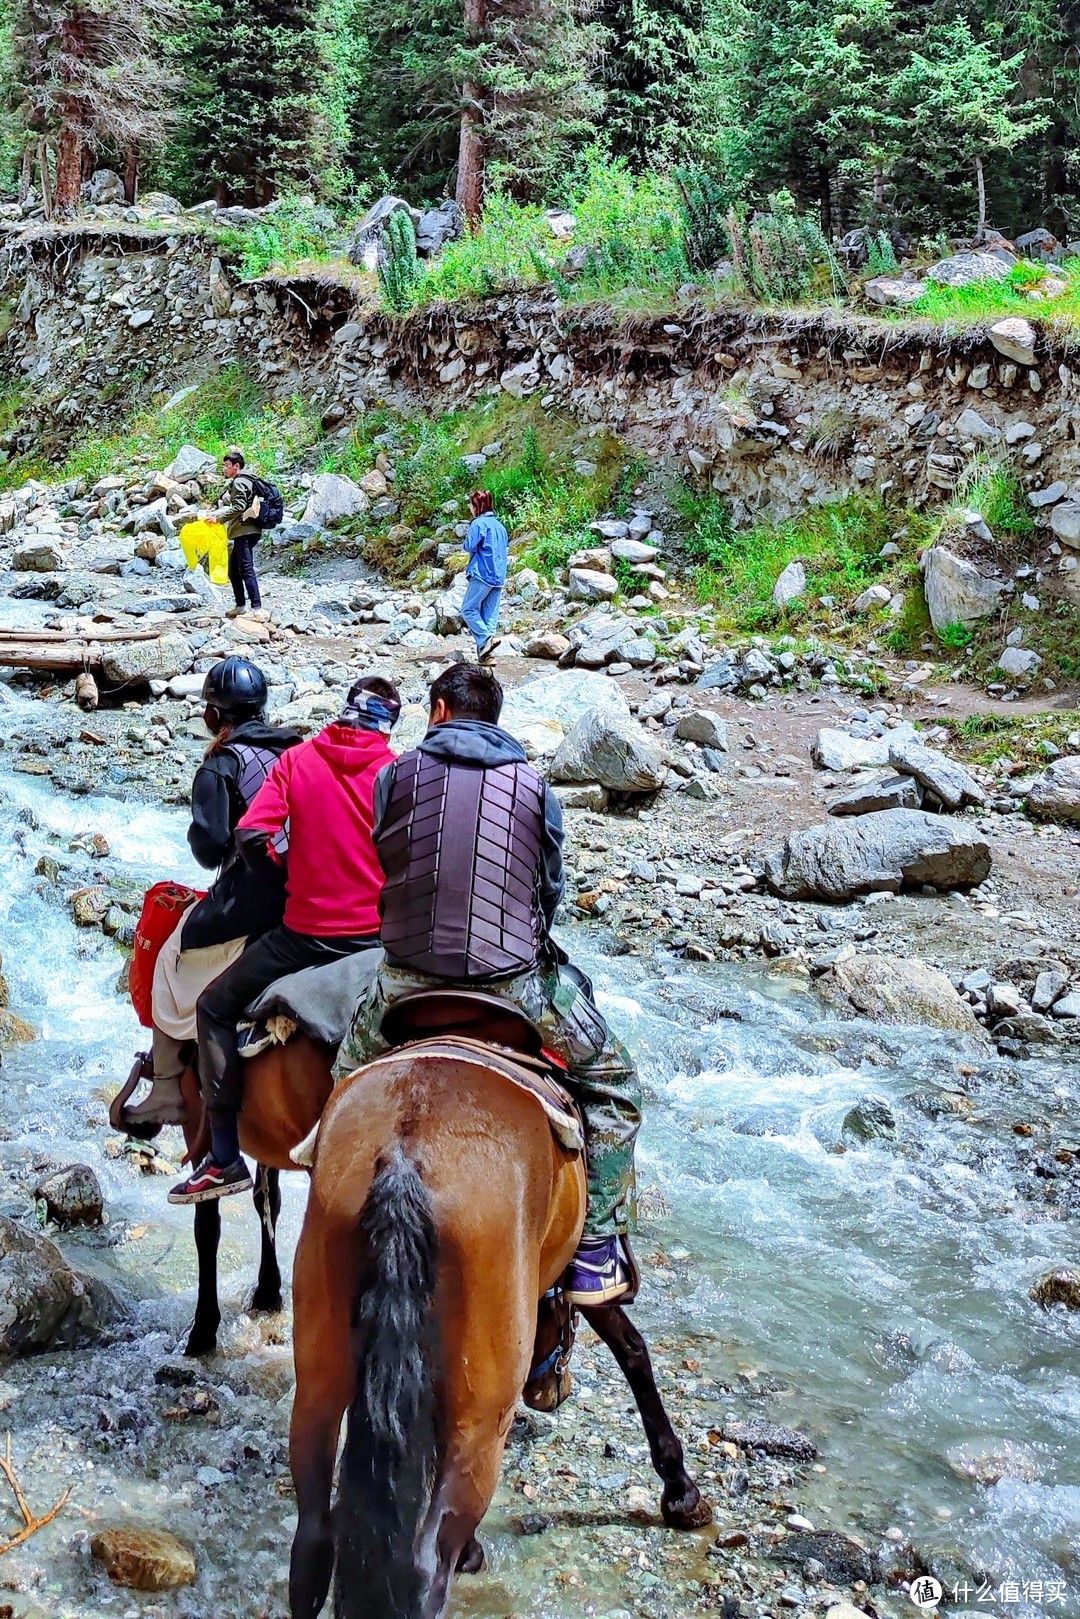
[441,1211]
[285,1091]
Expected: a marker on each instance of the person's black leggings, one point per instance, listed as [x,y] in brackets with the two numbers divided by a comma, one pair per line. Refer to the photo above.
[242,569]
[225,1001]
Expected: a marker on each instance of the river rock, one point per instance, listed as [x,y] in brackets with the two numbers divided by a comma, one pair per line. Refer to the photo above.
[880,793]
[961,269]
[989,1464]
[332,498]
[877,853]
[944,777]
[548,644]
[846,1610]
[1050,986]
[612,749]
[833,749]
[144,1559]
[448,605]
[873,596]
[37,556]
[539,712]
[14,1030]
[956,592]
[844,1561]
[44,1304]
[1015,338]
[871,1119]
[1065,522]
[72,1196]
[633,551]
[1067,1007]
[897,990]
[701,725]
[125,662]
[1060,1286]
[589,584]
[770,1438]
[790,585]
[190,462]
[1055,795]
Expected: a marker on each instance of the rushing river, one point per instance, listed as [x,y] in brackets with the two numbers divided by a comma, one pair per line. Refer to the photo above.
[881,1294]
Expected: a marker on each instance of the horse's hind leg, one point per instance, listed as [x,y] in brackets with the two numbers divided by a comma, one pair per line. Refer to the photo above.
[267,1198]
[682,1503]
[203,1338]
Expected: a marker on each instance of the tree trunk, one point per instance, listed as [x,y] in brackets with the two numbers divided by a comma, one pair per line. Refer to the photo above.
[68,172]
[471,148]
[825,195]
[46,177]
[26,172]
[131,174]
[981,178]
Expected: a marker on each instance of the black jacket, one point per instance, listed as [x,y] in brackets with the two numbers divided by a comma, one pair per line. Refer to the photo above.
[241,902]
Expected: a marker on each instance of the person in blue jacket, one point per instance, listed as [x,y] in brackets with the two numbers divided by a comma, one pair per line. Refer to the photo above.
[487,543]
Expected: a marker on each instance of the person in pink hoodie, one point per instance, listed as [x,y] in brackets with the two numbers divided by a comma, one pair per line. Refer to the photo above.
[318,797]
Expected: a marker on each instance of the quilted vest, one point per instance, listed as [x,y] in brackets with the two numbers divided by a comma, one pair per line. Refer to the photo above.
[461,848]
[255,764]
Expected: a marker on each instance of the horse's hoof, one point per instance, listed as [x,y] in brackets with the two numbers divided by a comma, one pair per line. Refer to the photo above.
[687,1511]
[472,1558]
[266,1304]
[201,1344]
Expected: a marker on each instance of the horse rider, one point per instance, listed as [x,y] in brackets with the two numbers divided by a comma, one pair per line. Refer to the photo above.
[470,838]
[239,906]
[320,795]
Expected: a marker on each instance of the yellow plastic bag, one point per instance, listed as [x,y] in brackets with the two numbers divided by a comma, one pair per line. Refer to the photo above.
[199,540]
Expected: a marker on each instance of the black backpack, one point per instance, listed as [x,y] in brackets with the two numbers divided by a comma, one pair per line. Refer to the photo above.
[271,505]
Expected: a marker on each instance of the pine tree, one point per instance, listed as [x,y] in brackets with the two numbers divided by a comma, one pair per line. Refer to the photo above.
[650,71]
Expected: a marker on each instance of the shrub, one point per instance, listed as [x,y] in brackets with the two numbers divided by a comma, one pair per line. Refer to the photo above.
[704,205]
[400,271]
[955,636]
[508,249]
[631,226]
[880,255]
[298,229]
[781,256]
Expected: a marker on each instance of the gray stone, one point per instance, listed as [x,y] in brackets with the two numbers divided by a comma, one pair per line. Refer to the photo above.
[1050,495]
[1055,795]
[540,711]
[1003,1000]
[867,854]
[612,749]
[588,584]
[190,462]
[103,187]
[44,1304]
[333,498]
[1019,663]
[896,990]
[833,749]
[949,781]
[1015,338]
[701,725]
[639,653]
[610,528]
[956,591]
[72,1196]
[888,290]
[547,644]
[437,226]
[969,424]
[1050,986]
[588,796]
[790,585]
[1065,522]
[633,551]
[874,596]
[756,667]
[871,1119]
[880,793]
[126,662]
[37,556]
[1068,1006]
[961,269]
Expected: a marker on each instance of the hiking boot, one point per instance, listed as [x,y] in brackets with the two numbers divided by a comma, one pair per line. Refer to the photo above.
[599,1273]
[233,612]
[164,1104]
[211,1181]
[488,648]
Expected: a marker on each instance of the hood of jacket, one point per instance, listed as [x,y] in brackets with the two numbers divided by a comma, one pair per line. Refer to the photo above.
[350,749]
[472,742]
[278,738]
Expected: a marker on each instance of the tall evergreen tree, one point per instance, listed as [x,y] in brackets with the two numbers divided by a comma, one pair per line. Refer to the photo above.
[650,71]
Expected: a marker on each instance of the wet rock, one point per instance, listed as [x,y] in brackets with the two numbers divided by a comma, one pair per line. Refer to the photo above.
[612,749]
[949,781]
[956,591]
[1055,795]
[882,793]
[871,1119]
[14,1030]
[72,1196]
[144,1559]
[44,1304]
[125,663]
[990,1465]
[332,499]
[89,907]
[770,1439]
[884,852]
[704,727]
[897,990]
[1060,1286]
[843,1560]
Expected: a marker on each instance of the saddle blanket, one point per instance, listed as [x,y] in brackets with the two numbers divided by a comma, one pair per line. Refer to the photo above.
[319,1001]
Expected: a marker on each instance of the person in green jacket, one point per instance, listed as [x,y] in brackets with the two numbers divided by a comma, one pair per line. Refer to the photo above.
[243,532]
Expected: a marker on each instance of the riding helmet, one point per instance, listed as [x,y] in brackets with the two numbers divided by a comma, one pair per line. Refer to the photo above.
[235,685]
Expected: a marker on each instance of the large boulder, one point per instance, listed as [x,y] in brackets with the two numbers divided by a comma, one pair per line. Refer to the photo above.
[540,712]
[72,1196]
[37,556]
[44,1304]
[104,186]
[949,781]
[125,662]
[437,226]
[897,990]
[956,591]
[878,793]
[333,498]
[961,269]
[190,462]
[1055,795]
[833,749]
[612,749]
[365,247]
[886,852]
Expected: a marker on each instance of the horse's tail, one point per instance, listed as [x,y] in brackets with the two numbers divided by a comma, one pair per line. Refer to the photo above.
[388,1463]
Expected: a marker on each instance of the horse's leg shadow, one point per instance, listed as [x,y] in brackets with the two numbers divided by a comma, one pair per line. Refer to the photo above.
[267,1198]
[472,1557]
[203,1336]
[682,1503]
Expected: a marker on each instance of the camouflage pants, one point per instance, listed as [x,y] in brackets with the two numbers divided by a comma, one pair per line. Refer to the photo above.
[601,1074]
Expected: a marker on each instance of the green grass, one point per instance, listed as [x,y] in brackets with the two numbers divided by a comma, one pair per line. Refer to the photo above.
[990,300]
[986,737]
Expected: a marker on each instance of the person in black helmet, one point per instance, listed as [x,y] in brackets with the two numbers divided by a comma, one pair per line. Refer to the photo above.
[242,904]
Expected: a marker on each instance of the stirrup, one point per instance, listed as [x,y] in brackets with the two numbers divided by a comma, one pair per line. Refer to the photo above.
[142,1068]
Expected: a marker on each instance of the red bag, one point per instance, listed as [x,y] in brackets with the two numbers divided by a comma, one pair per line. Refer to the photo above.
[162,912]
